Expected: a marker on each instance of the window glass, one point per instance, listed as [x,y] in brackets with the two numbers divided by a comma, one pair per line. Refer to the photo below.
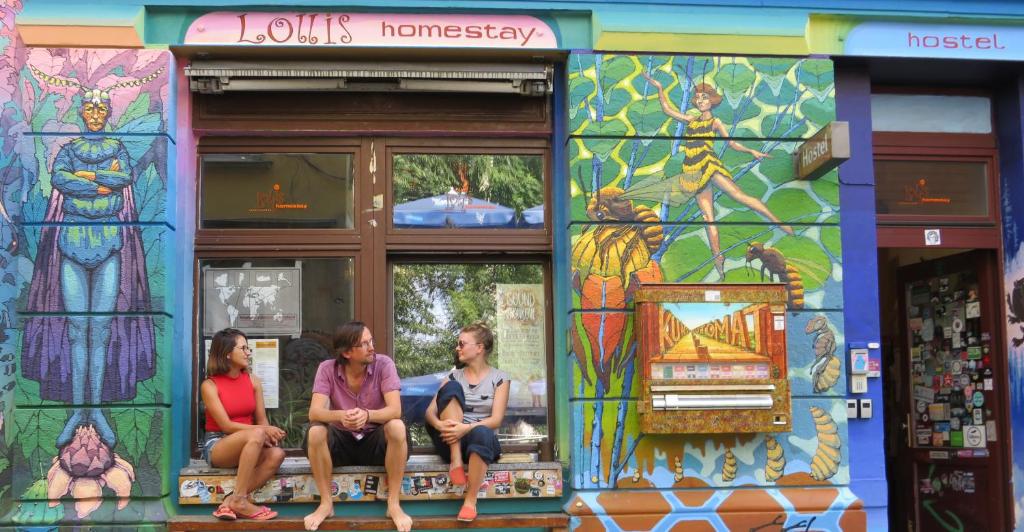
[931,188]
[433,190]
[433,301]
[277,190]
[288,309]
[931,113]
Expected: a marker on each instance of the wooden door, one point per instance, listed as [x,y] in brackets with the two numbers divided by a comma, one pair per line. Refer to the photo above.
[952,453]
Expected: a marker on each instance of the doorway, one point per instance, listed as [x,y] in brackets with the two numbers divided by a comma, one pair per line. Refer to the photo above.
[945,407]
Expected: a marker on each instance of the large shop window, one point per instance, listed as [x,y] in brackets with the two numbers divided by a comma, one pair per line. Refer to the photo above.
[416,237]
[288,308]
[432,301]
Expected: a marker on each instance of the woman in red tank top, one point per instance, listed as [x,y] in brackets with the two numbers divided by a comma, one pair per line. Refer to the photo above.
[237,431]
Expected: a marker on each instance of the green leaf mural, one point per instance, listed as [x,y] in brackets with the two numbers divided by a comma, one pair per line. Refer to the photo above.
[735,78]
[817,112]
[711,215]
[780,96]
[133,426]
[818,75]
[809,259]
[772,66]
[136,109]
[36,510]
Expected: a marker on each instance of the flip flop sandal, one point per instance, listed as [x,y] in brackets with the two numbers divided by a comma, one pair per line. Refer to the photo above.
[466,514]
[264,514]
[457,476]
[224,513]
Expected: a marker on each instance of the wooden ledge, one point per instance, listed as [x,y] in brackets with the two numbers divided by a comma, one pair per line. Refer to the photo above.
[557,521]
[200,484]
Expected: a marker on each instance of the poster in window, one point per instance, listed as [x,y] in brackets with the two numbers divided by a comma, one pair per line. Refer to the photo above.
[265,366]
[258,301]
[519,341]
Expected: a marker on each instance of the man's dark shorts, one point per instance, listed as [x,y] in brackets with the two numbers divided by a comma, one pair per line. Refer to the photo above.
[347,450]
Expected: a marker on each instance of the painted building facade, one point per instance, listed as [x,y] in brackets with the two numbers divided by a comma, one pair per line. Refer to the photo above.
[672,137]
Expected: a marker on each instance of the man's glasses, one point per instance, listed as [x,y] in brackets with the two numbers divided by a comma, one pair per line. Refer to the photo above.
[462,344]
[367,344]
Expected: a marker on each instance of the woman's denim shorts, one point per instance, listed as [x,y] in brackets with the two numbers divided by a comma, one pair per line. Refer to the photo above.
[211,439]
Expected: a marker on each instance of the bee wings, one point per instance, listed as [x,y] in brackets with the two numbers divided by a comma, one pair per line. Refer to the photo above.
[662,189]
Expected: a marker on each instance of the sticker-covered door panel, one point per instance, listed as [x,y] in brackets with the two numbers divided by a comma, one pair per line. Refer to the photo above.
[952,389]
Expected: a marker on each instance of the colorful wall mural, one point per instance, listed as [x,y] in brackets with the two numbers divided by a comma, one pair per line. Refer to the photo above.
[681,171]
[1011,177]
[85,232]
[12,121]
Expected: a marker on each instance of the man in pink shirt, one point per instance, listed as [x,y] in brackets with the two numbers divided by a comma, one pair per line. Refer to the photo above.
[355,419]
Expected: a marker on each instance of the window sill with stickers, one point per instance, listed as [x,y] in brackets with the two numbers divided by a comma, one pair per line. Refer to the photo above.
[515,478]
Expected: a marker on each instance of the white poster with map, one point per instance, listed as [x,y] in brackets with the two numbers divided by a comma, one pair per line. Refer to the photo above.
[258,301]
[519,341]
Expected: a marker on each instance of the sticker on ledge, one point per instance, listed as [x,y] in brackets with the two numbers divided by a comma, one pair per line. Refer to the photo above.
[712,296]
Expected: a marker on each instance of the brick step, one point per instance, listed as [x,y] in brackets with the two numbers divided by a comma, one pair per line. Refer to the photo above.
[201,484]
[554,521]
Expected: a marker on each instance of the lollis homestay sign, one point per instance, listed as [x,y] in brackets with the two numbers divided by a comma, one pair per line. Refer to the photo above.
[370,29]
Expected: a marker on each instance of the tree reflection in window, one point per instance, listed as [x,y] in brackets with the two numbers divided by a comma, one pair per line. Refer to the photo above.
[432,301]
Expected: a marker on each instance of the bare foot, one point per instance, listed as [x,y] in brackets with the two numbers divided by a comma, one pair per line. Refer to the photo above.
[403,523]
[313,520]
[787,229]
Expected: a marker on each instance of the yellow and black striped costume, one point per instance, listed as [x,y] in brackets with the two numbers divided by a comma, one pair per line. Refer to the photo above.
[700,162]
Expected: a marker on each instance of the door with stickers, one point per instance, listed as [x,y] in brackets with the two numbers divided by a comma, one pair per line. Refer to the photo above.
[954,379]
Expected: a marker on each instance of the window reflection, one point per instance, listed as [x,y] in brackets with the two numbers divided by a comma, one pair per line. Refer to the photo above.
[468,191]
[433,301]
[277,190]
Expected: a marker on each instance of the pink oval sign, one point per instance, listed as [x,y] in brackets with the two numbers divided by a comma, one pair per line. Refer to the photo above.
[370,29]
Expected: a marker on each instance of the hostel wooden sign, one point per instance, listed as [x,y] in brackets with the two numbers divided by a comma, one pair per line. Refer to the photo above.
[827,149]
[370,29]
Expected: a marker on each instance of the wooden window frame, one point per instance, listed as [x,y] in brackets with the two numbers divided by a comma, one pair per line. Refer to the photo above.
[335,239]
[957,231]
[373,249]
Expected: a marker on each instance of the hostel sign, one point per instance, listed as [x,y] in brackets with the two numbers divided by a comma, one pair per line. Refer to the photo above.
[370,30]
[827,149]
[953,41]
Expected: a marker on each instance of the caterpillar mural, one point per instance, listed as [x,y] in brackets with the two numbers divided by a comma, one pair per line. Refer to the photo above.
[662,191]
[775,464]
[825,370]
[729,467]
[84,223]
[827,456]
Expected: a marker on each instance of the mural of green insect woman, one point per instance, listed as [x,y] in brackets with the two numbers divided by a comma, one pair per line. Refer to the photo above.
[682,172]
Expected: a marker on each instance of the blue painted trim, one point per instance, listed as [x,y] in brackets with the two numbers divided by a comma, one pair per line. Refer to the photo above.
[866,439]
[1009,112]
[561,289]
